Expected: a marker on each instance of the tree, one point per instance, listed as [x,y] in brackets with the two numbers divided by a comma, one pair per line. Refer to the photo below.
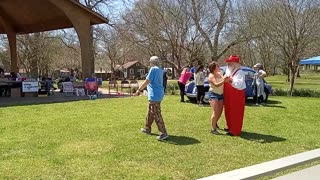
[4,52]
[292,25]
[110,44]
[162,28]
[37,52]
[216,22]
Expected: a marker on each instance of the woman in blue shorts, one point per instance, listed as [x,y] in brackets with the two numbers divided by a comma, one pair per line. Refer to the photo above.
[216,81]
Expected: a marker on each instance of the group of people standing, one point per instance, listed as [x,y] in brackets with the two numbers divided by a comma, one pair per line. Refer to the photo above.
[225,92]
[197,74]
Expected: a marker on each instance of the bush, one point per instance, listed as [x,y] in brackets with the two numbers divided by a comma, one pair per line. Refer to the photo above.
[297,92]
[306,93]
[172,89]
[280,92]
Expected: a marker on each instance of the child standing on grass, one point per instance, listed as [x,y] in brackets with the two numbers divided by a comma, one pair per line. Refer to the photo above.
[216,81]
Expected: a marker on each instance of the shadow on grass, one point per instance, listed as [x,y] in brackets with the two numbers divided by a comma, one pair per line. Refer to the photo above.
[273,102]
[181,140]
[269,103]
[260,138]
[274,106]
[249,102]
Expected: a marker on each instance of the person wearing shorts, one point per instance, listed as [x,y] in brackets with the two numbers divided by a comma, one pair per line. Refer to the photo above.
[216,81]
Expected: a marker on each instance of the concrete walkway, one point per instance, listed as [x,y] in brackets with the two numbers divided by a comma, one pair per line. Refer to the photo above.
[57,97]
[311,173]
[274,166]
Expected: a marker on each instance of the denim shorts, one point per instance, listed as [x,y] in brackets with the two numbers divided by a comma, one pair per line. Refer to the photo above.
[215,96]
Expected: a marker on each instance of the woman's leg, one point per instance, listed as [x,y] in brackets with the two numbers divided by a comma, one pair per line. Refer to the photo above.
[202,93]
[198,94]
[256,96]
[219,110]
[215,112]
[261,93]
[182,87]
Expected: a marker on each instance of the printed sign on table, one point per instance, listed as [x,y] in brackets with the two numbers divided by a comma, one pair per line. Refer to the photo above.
[30,86]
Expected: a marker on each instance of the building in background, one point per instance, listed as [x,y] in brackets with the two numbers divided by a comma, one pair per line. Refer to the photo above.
[131,70]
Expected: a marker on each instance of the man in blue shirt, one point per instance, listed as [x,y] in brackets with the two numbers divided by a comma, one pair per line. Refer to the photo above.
[154,83]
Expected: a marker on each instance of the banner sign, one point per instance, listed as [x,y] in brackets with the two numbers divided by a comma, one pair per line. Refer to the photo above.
[30,86]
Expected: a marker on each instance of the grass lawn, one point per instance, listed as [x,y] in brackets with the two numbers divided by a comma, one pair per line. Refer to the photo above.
[101,140]
[306,81]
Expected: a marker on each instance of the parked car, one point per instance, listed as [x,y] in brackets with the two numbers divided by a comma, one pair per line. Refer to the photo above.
[191,90]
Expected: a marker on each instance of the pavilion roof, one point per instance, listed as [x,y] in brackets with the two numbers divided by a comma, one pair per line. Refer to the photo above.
[31,16]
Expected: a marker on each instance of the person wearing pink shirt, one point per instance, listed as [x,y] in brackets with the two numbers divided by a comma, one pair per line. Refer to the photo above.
[184,77]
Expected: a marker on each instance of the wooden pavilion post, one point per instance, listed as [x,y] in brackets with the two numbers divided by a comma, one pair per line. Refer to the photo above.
[82,25]
[12,38]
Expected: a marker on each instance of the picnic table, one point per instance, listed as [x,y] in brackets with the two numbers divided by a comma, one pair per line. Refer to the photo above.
[11,87]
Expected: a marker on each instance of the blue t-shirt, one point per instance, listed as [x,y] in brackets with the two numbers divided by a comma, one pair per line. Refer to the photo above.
[155,87]
[193,69]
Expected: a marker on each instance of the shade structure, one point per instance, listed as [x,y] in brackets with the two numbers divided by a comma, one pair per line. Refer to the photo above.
[311,61]
[32,16]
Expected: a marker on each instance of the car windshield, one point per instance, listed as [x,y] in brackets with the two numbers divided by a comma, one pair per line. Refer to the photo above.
[248,75]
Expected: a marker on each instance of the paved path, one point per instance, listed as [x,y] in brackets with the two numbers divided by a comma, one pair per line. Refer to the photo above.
[57,97]
[311,173]
[271,167]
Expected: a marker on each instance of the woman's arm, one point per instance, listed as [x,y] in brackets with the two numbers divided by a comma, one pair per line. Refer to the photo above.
[213,80]
[262,73]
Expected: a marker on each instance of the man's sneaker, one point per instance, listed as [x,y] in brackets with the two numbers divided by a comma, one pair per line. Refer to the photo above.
[163,136]
[147,131]
[215,131]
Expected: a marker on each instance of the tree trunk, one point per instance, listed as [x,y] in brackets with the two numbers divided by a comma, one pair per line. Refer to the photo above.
[173,72]
[289,71]
[293,73]
[274,70]
[292,80]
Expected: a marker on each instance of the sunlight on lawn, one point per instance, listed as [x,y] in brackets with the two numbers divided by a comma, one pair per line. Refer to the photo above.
[100,139]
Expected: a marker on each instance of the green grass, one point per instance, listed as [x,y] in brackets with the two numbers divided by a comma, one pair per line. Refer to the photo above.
[306,81]
[101,140]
